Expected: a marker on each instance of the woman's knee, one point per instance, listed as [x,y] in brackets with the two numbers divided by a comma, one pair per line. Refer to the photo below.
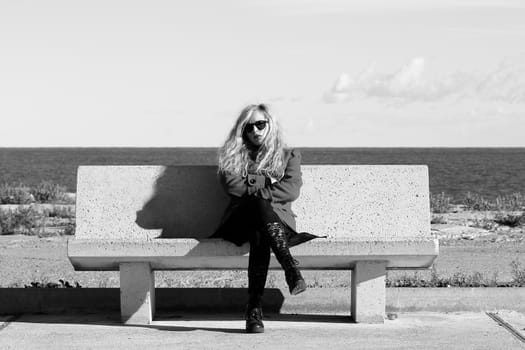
[258,205]
[259,242]
[261,204]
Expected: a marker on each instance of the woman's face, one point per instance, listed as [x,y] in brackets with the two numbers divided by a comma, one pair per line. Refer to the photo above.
[257,128]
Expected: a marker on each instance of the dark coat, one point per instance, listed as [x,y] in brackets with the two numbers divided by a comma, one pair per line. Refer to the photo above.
[281,194]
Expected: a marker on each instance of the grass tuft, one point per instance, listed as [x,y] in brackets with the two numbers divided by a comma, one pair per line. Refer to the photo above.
[60,212]
[47,192]
[15,194]
[21,220]
[513,202]
[474,201]
[518,273]
[459,279]
[511,220]
[440,203]
[46,284]
[28,220]
[69,229]
[44,192]
[438,220]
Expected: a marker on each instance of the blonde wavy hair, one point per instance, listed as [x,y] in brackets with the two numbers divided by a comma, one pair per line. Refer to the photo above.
[234,154]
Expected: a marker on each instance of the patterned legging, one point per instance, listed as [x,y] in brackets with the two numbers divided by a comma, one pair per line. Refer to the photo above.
[252,218]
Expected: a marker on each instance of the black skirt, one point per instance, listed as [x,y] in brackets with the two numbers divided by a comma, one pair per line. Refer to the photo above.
[241,226]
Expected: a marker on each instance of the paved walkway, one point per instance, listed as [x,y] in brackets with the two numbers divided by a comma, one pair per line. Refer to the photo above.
[408,331]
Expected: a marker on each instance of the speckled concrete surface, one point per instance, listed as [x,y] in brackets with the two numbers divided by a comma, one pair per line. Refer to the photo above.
[374,201]
[144,202]
[407,331]
[168,254]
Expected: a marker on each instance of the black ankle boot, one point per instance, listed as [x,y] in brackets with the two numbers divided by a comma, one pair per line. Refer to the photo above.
[295,280]
[279,245]
[254,317]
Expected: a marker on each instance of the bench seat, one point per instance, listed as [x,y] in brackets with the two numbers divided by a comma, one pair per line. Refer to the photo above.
[216,254]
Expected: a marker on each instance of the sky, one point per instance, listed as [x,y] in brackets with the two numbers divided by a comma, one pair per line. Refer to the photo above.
[335,73]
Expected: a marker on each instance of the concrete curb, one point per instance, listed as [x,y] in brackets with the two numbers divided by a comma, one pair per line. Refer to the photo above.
[455,299]
[314,300]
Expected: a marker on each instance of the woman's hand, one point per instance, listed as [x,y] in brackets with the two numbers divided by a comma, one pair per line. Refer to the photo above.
[288,188]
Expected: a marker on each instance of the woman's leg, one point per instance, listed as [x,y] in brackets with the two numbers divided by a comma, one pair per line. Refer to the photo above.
[274,232]
[267,232]
[258,263]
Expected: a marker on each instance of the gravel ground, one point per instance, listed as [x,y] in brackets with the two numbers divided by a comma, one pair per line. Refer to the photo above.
[24,259]
[470,241]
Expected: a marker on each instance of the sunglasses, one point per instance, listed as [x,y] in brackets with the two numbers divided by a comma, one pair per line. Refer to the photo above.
[260,125]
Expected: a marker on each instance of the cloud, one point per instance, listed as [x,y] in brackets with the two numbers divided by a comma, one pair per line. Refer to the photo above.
[411,83]
[506,83]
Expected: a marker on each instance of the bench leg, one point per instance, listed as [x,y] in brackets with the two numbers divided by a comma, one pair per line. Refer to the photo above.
[368,292]
[137,293]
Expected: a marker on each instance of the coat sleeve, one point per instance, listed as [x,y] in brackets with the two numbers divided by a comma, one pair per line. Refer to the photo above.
[288,188]
[238,186]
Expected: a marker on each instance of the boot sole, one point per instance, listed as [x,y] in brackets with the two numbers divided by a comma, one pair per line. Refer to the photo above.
[299,288]
[255,330]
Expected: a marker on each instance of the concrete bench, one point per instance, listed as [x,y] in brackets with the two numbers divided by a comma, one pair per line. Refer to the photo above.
[138,219]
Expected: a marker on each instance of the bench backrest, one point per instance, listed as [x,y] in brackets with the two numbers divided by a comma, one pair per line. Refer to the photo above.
[368,202]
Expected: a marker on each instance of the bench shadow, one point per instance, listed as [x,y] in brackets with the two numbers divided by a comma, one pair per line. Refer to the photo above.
[269,316]
[168,208]
[101,306]
[113,320]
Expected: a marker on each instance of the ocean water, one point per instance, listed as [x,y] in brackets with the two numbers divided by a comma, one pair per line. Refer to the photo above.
[455,171]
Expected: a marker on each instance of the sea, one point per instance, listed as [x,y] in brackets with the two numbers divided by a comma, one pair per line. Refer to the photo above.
[489,172]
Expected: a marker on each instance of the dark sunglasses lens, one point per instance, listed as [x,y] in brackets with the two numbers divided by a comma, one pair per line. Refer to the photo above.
[260,124]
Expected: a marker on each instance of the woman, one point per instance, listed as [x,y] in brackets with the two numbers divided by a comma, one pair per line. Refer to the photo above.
[262,178]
